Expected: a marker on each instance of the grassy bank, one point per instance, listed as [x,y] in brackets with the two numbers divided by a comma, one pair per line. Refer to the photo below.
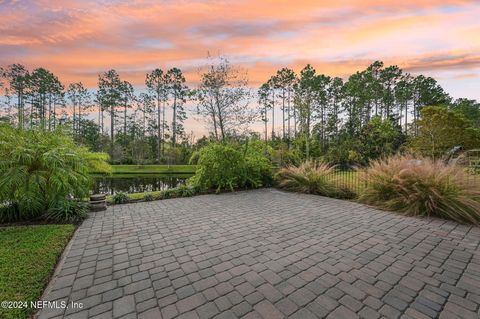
[136,196]
[144,175]
[28,255]
[179,191]
[153,169]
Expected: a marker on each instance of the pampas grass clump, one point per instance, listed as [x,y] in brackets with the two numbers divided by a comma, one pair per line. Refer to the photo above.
[422,187]
[312,178]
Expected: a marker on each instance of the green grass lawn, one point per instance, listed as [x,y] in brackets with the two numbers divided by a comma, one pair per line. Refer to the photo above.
[28,255]
[153,169]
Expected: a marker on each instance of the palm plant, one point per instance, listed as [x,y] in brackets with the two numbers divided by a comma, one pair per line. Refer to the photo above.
[40,170]
[422,187]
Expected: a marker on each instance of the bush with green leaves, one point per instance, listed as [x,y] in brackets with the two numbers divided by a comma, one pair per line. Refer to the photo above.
[148,197]
[70,211]
[228,167]
[120,198]
[313,177]
[183,191]
[422,187]
[40,171]
[440,129]
[9,212]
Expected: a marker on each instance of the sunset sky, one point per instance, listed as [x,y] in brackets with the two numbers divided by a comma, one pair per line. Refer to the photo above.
[78,39]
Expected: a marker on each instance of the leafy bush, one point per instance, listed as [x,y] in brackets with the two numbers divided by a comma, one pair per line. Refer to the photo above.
[312,178]
[440,129]
[9,213]
[166,194]
[70,211]
[422,187]
[41,170]
[258,170]
[120,198]
[148,197]
[184,191]
[229,167]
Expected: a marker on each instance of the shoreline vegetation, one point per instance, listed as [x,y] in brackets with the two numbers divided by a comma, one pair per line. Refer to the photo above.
[150,169]
[350,178]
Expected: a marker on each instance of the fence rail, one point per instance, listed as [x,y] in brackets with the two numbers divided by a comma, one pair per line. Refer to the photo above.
[351,179]
[354,180]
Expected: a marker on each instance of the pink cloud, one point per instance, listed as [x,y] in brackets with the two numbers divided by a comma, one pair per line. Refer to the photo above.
[78,39]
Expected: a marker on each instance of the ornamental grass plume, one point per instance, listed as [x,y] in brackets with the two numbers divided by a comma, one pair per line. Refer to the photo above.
[312,177]
[422,187]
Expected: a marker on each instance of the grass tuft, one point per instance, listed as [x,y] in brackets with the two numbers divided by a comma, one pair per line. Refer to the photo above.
[422,187]
[313,178]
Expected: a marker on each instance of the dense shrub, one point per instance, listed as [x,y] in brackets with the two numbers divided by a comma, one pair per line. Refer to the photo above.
[376,139]
[148,197]
[184,191]
[422,187]
[120,198]
[9,212]
[440,129]
[312,178]
[229,167]
[180,191]
[259,170]
[70,211]
[40,171]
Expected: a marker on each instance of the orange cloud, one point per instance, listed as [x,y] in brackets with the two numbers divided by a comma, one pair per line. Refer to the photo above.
[79,39]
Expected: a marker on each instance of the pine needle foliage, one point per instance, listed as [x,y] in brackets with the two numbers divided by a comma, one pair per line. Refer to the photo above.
[41,170]
[422,187]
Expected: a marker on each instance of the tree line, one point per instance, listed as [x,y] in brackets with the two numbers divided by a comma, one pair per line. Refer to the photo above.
[319,115]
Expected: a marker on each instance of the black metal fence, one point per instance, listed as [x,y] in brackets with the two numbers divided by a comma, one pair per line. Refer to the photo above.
[356,180]
[351,179]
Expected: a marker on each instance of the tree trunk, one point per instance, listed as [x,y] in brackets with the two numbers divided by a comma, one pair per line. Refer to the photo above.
[159,128]
[295,122]
[273,115]
[307,144]
[283,112]
[79,125]
[163,127]
[322,132]
[54,114]
[49,111]
[266,121]
[20,111]
[74,116]
[112,127]
[220,123]
[125,122]
[214,118]
[288,106]
[174,121]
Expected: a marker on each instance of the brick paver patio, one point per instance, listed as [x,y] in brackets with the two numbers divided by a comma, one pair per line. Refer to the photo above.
[267,254]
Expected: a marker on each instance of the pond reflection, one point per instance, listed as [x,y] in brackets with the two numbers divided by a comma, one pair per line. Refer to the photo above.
[136,183]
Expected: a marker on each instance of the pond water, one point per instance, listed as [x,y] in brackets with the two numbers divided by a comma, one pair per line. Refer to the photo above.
[135,183]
